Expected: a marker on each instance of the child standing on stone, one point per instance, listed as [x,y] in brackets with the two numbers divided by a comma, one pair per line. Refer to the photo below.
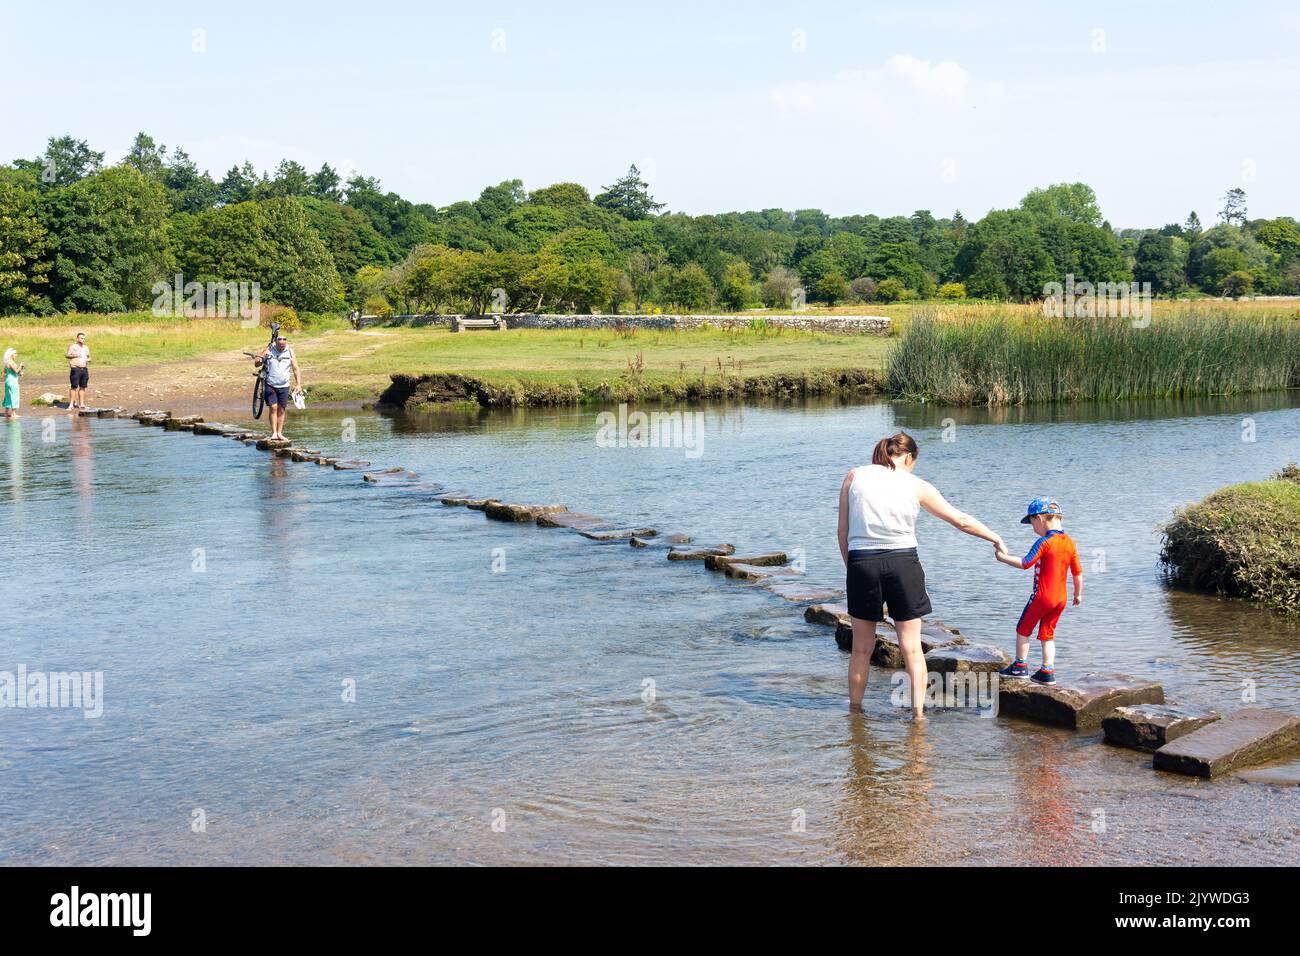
[1051,557]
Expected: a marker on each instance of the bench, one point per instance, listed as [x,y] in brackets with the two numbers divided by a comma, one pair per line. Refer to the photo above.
[460,323]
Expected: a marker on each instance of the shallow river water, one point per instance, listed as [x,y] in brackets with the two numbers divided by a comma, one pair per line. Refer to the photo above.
[527,695]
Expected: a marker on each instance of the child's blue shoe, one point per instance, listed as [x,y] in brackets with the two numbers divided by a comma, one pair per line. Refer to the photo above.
[1015,670]
[1044,677]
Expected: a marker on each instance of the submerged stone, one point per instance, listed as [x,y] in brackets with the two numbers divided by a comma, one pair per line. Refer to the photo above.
[347,464]
[1078,702]
[801,591]
[719,562]
[830,614]
[1278,775]
[479,504]
[700,553]
[757,572]
[1150,726]
[660,541]
[117,411]
[185,423]
[572,519]
[618,534]
[303,454]
[1246,737]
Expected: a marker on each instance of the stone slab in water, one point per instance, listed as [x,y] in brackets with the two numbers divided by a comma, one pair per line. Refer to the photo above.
[572,519]
[117,411]
[346,464]
[618,534]
[480,504]
[184,423]
[209,428]
[802,591]
[270,444]
[829,614]
[700,553]
[326,460]
[1150,726]
[1079,702]
[1278,775]
[303,454]
[756,572]
[966,657]
[660,541]
[1238,740]
[719,562]
[935,634]
[504,511]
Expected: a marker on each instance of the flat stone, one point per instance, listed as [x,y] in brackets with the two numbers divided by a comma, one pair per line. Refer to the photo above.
[572,519]
[480,504]
[830,614]
[504,511]
[966,657]
[719,562]
[636,542]
[802,592]
[209,428]
[303,454]
[325,460]
[346,464]
[117,411]
[1078,702]
[1238,740]
[936,634]
[1279,775]
[460,501]
[395,475]
[618,534]
[185,423]
[701,553]
[270,444]
[286,452]
[1150,726]
[887,652]
[756,572]
[660,541]
[89,413]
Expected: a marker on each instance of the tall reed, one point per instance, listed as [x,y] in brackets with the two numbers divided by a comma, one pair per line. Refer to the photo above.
[1014,358]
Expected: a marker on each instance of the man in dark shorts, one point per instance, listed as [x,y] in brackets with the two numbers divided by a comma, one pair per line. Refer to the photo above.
[280,363]
[78,371]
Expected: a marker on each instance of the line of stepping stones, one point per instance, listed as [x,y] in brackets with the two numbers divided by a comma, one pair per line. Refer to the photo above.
[1131,712]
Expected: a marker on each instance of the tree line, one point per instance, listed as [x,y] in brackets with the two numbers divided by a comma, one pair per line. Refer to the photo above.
[77,235]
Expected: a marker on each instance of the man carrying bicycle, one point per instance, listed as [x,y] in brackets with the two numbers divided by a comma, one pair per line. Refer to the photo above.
[280,362]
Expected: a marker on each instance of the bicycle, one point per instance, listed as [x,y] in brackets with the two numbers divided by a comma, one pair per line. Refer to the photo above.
[259,381]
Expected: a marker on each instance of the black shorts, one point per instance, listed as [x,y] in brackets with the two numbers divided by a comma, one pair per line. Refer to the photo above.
[277,395]
[893,578]
[78,377]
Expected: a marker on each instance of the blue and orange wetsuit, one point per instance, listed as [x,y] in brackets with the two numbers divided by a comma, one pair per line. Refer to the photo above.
[1052,557]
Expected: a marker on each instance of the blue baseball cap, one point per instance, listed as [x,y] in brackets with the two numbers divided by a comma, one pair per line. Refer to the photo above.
[1042,505]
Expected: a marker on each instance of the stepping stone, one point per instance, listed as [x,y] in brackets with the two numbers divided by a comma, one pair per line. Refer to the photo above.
[936,634]
[830,614]
[350,464]
[458,501]
[1078,702]
[303,454]
[754,572]
[181,424]
[209,428]
[1279,775]
[1246,737]
[395,474]
[480,504]
[719,562]
[966,657]
[287,452]
[253,440]
[800,591]
[117,411]
[1150,726]
[502,511]
[887,652]
[701,553]
[572,519]
[618,534]
[89,412]
[661,541]
[325,460]
[270,444]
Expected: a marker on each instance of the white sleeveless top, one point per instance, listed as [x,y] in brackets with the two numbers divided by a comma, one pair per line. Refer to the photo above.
[883,506]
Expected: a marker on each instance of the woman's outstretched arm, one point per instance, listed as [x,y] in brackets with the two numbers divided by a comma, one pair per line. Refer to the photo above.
[935,503]
[844,518]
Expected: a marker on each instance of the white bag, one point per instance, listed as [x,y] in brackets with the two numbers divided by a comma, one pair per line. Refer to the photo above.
[299,400]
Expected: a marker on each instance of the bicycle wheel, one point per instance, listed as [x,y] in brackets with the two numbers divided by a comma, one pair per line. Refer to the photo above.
[259,396]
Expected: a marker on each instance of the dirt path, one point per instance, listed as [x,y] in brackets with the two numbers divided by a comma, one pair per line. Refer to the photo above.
[220,382]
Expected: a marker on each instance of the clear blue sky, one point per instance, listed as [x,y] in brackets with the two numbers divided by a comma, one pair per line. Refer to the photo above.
[850,107]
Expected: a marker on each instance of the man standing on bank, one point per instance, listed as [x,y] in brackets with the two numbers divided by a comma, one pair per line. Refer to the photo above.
[280,362]
[877,532]
[78,371]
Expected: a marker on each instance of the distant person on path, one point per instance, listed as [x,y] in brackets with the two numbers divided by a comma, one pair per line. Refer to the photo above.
[13,371]
[355,318]
[280,362]
[1051,557]
[78,371]
[877,532]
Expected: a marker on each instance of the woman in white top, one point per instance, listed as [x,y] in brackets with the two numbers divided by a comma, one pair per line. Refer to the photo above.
[878,508]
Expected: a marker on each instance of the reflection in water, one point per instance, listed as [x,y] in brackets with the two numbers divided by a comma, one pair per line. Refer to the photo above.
[82,450]
[15,427]
[886,812]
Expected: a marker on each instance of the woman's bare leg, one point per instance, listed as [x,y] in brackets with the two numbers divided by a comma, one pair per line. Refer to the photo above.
[864,644]
[909,640]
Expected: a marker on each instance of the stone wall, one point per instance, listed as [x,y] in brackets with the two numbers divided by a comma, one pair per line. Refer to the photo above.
[859,324]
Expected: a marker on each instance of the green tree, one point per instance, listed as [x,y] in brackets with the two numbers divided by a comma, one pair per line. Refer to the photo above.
[148,157]
[1238,283]
[737,286]
[690,287]
[326,183]
[1073,201]
[832,288]
[1233,212]
[1004,258]
[65,161]
[629,197]
[188,189]
[24,248]
[1157,261]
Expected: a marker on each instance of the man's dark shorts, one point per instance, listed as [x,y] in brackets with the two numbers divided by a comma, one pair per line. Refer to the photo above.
[276,395]
[78,377]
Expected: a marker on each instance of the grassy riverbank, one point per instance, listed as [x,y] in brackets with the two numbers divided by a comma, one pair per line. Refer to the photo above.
[1016,358]
[1243,541]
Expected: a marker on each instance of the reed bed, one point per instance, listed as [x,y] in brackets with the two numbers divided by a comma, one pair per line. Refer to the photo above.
[1017,358]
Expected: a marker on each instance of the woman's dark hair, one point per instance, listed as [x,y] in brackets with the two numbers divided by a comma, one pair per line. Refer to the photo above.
[887,449]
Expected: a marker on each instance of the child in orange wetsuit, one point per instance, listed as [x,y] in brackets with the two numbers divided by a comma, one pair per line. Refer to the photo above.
[1052,555]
